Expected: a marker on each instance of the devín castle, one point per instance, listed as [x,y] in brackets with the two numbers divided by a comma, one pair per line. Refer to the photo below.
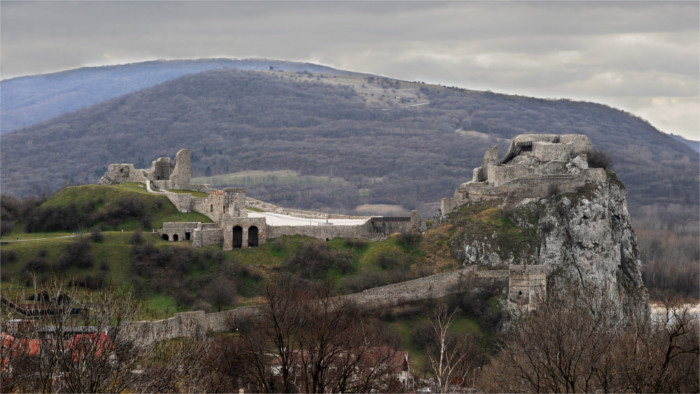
[535,166]
[240,221]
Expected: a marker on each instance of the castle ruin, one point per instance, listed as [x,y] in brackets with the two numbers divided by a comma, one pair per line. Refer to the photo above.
[240,221]
[535,166]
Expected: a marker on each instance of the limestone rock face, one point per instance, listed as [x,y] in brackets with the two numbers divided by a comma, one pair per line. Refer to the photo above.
[542,205]
[583,240]
[587,240]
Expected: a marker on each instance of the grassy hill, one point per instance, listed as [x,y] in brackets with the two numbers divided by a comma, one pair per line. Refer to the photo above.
[172,277]
[126,253]
[381,141]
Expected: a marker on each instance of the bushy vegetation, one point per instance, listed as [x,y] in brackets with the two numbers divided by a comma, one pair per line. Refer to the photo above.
[316,260]
[600,159]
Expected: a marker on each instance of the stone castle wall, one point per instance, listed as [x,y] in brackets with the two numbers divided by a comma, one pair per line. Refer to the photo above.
[196,324]
[178,231]
[535,166]
[267,207]
[205,237]
[527,286]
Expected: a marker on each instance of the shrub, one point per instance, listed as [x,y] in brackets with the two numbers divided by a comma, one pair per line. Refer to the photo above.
[354,243]
[393,261]
[96,235]
[35,264]
[600,159]
[88,282]
[76,254]
[136,238]
[8,256]
[313,261]
[409,239]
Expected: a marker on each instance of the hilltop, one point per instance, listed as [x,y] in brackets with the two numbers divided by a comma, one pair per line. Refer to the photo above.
[33,99]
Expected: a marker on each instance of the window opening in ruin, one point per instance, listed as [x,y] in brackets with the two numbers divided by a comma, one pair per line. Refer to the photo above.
[165,237]
[188,236]
[527,148]
[211,208]
[175,238]
[253,236]
[237,237]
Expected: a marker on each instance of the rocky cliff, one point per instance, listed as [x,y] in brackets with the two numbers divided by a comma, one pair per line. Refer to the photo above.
[583,237]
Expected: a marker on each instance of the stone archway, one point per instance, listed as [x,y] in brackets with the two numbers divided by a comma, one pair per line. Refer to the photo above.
[175,238]
[253,236]
[165,237]
[237,237]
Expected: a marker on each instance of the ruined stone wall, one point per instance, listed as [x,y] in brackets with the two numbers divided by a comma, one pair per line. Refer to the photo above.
[178,231]
[499,175]
[527,286]
[235,202]
[122,173]
[182,201]
[374,229]
[192,324]
[205,237]
[267,207]
[185,324]
[160,169]
[212,206]
[181,175]
[532,186]
[321,232]
[247,225]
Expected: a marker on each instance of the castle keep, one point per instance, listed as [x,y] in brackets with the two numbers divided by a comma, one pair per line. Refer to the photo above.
[535,166]
[240,221]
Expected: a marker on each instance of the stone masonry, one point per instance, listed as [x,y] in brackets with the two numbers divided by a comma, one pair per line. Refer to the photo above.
[535,166]
[232,228]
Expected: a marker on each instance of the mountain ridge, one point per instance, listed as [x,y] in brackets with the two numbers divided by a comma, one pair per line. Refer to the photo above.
[32,99]
[401,142]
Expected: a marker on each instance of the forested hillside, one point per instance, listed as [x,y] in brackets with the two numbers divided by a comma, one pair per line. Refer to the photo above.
[29,100]
[378,140]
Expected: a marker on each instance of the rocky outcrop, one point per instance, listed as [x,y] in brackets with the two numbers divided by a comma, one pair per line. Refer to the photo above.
[583,238]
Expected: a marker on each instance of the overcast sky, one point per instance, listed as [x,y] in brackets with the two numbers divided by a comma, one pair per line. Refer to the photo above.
[643,57]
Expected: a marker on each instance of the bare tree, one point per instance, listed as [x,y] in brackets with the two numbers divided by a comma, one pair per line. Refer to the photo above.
[451,355]
[340,351]
[81,347]
[305,340]
[568,347]
[220,292]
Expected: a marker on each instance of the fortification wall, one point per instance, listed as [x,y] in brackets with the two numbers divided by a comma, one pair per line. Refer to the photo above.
[374,229]
[185,324]
[499,175]
[122,173]
[321,232]
[205,237]
[196,324]
[243,232]
[182,201]
[267,207]
[212,206]
[531,186]
[178,231]
[527,286]
[181,175]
